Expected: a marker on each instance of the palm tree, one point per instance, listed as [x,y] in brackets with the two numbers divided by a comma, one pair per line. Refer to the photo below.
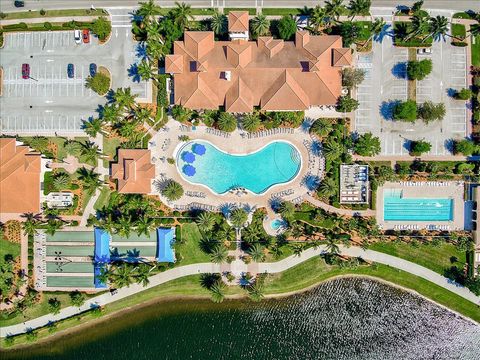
[332,150]
[71,147]
[124,226]
[334,8]
[61,181]
[155,49]
[227,122]
[238,217]
[53,226]
[251,233]
[251,122]
[205,221]
[218,291]
[255,291]
[30,224]
[148,9]
[91,152]
[181,113]
[322,127]
[142,276]
[142,114]
[331,245]
[39,143]
[256,252]
[90,179]
[110,114]
[219,254]
[122,276]
[144,224]
[92,126]
[218,23]
[287,210]
[260,25]
[297,249]
[145,70]
[474,30]
[328,187]
[182,14]
[226,232]
[419,26]
[124,97]
[317,18]
[173,191]
[376,28]
[438,28]
[359,7]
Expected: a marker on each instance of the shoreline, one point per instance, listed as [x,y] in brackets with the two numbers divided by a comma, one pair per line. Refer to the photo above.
[171,298]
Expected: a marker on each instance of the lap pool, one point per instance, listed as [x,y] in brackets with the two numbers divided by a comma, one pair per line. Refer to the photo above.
[398,208]
[200,162]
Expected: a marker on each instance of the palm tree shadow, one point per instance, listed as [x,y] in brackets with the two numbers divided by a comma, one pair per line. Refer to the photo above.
[207,245]
[207,280]
[133,73]
[141,51]
[387,30]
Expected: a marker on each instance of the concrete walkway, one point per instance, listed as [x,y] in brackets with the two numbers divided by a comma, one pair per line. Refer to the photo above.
[56,19]
[333,209]
[275,267]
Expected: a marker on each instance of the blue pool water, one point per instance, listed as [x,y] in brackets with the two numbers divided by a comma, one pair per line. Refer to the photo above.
[276,224]
[276,163]
[397,208]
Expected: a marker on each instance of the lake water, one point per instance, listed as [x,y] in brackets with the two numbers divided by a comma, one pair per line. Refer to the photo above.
[348,318]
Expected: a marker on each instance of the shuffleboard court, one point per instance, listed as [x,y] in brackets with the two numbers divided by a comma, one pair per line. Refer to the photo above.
[59,267]
[71,281]
[75,250]
[73,236]
[135,238]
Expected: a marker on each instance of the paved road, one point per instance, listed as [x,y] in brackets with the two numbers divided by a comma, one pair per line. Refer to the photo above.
[275,267]
[7,5]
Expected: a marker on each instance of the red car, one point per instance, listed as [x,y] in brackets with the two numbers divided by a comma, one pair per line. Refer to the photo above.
[25,71]
[86,36]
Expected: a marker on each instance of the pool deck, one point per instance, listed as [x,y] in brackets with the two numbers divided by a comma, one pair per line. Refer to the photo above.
[166,142]
[426,190]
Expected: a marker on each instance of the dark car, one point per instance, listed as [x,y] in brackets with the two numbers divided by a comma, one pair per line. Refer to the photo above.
[93,69]
[19,3]
[25,71]
[70,71]
[86,36]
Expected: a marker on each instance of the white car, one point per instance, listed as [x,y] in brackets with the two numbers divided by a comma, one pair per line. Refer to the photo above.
[77,35]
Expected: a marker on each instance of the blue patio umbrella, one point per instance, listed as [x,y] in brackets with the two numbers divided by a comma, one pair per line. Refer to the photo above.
[188,157]
[189,170]
[199,149]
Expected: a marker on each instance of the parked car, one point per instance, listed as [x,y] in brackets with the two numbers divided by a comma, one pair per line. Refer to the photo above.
[86,36]
[19,3]
[25,71]
[424,51]
[70,71]
[93,69]
[77,36]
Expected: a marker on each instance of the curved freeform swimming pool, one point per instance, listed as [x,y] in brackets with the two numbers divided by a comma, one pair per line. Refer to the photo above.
[200,162]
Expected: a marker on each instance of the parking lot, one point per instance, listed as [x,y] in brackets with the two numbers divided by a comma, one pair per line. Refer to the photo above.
[386,82]
[49,101]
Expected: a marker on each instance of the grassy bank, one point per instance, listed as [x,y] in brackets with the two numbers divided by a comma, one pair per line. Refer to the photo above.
[302,276]
[7,247]
[53,13]
[436,258]
[476,50]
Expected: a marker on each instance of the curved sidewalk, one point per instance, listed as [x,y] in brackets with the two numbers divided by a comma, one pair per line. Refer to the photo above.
[275,267]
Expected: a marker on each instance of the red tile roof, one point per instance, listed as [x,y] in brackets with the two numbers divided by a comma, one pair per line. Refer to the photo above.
[134,171]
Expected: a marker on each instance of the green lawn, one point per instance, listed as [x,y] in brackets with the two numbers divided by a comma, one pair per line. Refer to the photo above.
[103,198]
[306,216]
[110,146]
[190,250]
[7,247]
[53,13]
[251,11]
[280,11]
[462,15]
[458,31]
[436,258]
[364,32]
[476,51]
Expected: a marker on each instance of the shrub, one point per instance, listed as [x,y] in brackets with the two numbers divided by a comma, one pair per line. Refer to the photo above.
[459,43]
[347,104]
[418,70]
[428,111]
[43,12]
[464,94]
[101,27]
[465,147]
[351,77]
[100,83]
[405,111]
[420,147]
[3,15]
[48,26]
[287,27]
